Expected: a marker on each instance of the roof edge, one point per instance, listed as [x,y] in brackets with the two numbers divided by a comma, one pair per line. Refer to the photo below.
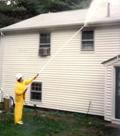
[111,59]
[90,24]
[44,27]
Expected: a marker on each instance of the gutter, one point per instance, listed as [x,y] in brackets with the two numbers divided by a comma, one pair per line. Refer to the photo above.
[39,27]
[90,24]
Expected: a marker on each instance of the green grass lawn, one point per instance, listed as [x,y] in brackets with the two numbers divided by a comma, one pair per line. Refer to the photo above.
[52,123]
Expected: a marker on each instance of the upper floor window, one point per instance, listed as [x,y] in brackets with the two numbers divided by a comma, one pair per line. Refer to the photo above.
[44,49]
[87,41]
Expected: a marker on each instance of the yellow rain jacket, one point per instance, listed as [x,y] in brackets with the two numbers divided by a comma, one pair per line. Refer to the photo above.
[20,90]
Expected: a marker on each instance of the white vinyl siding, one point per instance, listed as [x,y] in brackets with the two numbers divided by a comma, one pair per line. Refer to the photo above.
[73,79]
[1,58]
[110,49]
[0,66]
[108,107]
[110,90]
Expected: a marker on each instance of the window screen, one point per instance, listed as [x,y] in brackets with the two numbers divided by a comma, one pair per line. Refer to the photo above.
[44,49]
[45,40]
[87,40]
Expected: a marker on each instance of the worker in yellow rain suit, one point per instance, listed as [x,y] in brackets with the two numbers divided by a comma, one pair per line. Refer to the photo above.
[20,90]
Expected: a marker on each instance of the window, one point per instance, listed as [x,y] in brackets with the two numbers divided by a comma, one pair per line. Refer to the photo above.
[44,49]
[36,91]
[87,40]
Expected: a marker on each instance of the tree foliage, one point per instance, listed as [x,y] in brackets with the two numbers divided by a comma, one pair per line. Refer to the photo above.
[12,11]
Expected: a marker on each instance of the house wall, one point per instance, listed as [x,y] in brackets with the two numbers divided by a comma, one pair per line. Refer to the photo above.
[74,78]
[0,66]
[109,90]
[0,59]
[1,62]
[110,84]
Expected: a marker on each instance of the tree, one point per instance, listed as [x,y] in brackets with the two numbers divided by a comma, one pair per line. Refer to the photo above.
[43,6]
[12,11]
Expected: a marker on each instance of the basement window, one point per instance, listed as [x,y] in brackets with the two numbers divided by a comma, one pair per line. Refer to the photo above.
[87,41]
[36,91]
[44,49]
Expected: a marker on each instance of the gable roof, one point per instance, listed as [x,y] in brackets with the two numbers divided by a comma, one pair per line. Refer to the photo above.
[50,19]
[111,59]
[70,18]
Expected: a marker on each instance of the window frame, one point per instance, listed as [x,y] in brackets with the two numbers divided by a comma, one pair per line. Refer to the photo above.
[87,40]
[45,45]
[39,92]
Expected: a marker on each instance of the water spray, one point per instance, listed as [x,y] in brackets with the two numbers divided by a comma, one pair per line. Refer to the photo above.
[92,9]
[60,49]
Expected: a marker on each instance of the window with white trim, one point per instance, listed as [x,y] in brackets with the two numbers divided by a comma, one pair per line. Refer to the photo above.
[87,40]
[36,91]
[44,47]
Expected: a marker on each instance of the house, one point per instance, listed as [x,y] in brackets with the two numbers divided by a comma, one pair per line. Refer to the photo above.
[83,77]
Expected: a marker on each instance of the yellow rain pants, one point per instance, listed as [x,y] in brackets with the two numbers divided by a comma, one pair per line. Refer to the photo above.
[20,90]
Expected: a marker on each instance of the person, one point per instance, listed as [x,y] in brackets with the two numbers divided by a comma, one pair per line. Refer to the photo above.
[20,90]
